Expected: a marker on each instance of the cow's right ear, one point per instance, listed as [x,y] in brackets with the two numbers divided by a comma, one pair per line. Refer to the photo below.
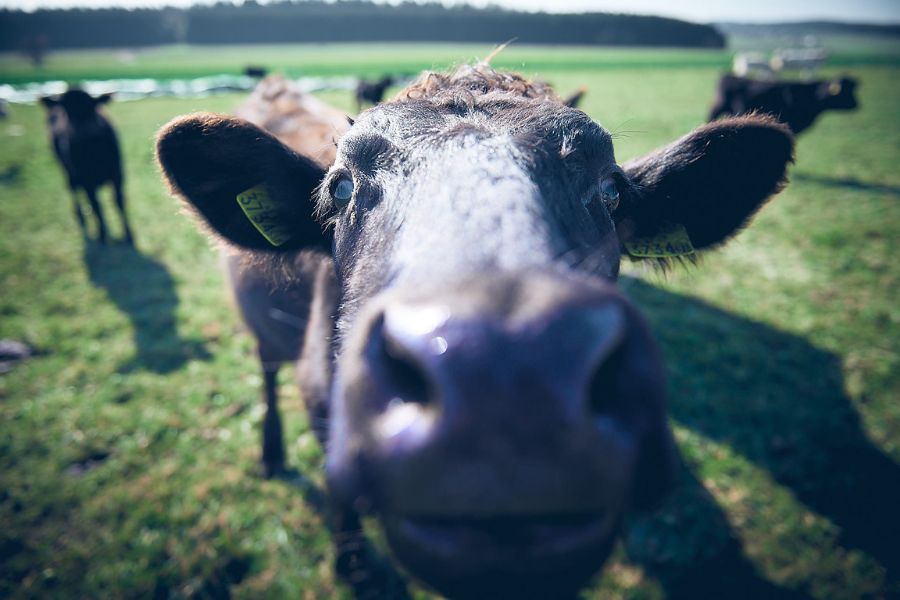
[245,185]
[49,101]
[697,192]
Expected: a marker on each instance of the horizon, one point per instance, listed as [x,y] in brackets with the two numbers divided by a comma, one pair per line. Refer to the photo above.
[882,12]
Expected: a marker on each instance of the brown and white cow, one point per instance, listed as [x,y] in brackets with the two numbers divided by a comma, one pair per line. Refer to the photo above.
[479,384]
[276,309]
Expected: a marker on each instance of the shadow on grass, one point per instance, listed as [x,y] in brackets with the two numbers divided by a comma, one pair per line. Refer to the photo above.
[143,289]
[850,183]
[779,402]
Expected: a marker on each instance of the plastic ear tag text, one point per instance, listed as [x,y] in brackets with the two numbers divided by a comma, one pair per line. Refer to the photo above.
[263,213]
[672,241]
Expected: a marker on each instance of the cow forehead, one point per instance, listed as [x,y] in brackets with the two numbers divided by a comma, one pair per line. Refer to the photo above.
[508,181]
[544,126]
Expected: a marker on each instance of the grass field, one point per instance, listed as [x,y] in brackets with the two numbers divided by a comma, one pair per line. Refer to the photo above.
[177,62]
[129,445]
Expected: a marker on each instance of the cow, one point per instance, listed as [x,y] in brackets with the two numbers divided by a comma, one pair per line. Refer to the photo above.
[575,98]
[86,146]
[255,71]
[371,92]
[795,103]
[479,384]
[274,310]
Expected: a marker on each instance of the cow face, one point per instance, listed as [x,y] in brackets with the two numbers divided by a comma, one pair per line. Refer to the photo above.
[839,94]
[79,106]
[495,401]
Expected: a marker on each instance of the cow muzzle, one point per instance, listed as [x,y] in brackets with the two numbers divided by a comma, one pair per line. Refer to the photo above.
[497,426]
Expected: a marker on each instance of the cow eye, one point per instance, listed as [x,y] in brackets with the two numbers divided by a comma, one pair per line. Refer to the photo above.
[609,194]
[342,190]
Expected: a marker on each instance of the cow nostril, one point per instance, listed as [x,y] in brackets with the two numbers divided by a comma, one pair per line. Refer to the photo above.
[404,374]
[603,386]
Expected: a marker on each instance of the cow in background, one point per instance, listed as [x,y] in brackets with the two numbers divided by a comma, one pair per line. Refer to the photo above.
[575,98]
[255,71]
[796,104]
[86,146]
[371,92]
[277,311]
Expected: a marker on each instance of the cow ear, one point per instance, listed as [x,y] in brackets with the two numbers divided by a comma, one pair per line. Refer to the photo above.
[50,101]
[697,192]
[103,98]
[248,187]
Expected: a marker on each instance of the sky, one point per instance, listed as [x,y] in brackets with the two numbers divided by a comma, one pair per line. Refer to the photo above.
[703,11]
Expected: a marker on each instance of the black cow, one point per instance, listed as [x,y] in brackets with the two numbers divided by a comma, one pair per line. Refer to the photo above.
[575,99]
[371,92]
[87,148]
[255,71]
[797,104]
[478,382]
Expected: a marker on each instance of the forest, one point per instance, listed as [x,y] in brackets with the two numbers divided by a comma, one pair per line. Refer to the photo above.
[344,21]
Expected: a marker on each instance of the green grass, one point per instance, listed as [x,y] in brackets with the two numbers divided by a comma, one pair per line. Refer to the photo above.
[129,446]
[176,62]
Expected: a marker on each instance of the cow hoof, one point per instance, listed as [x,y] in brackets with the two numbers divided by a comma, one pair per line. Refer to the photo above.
[368,574]
[275,469]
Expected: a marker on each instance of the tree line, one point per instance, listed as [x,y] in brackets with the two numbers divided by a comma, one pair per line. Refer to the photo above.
[342,21]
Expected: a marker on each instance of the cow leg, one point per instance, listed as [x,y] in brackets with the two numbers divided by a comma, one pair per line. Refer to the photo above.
[273,446]
[359,565]
[79,214]
[120,204]
[98,214]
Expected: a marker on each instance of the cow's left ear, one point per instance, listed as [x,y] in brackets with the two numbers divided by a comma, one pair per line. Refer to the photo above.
[103,98]
[700,190]
[246,186]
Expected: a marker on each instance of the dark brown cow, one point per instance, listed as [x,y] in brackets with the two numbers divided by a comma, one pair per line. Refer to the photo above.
[478,382]
[796,103]
[87,148]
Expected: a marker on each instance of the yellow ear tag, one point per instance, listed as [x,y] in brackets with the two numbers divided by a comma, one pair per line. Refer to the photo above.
[672,241]
[263,213]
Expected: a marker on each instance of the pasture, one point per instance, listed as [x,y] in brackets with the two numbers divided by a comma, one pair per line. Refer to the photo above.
[129,445]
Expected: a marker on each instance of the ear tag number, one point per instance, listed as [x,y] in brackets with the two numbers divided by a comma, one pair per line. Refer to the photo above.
[672,241]
[263,213]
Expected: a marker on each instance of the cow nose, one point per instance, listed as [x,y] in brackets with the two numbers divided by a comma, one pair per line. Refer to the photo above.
[528,397]
[449,364]
[520,405]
